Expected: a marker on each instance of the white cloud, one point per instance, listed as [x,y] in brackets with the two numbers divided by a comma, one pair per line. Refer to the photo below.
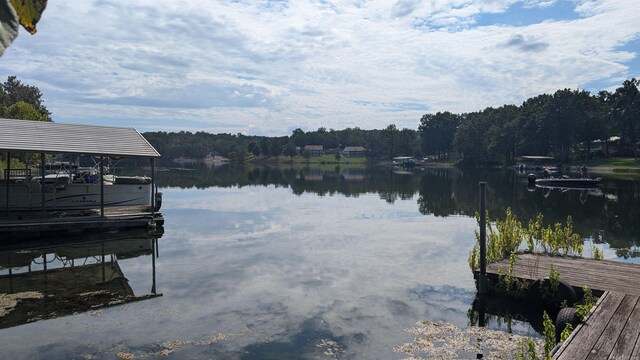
[266,67]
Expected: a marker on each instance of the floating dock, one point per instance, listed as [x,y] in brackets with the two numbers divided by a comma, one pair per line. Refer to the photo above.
[612,329]
[598,275]
[610,332]
[35,223]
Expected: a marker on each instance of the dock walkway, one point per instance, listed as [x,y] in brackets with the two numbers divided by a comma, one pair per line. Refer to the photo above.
[612,330]
[36,222]
[598,275]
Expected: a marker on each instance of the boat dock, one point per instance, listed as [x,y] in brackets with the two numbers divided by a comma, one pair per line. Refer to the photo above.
[33,224]
[38,198]
[610,332]
[612,329]
[598,275]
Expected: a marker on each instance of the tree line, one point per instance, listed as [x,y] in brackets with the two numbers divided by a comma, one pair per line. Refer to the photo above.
[562,125]
[386,143]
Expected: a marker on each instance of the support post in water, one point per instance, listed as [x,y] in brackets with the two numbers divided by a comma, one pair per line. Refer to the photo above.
[482,279]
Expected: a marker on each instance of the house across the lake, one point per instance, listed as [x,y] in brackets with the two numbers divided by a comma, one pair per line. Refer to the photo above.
[315,150]
[354,151]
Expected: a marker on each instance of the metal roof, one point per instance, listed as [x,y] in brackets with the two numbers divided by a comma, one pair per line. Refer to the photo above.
[50,137]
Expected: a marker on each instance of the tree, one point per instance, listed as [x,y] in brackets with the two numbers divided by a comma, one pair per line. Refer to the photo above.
[275,147]
[13,91]
[437,132]
[531,124]
[501,134]
[23,111]
[389,138]
[338,155]
[298,137]
[256,151]
[290,150]
[469,139]
[625,111]
[264,147]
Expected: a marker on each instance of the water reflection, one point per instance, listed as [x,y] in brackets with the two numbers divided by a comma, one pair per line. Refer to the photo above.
[39,282]
[604,215]
[328,263]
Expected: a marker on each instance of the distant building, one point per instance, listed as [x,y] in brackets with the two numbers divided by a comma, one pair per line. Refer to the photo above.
[354,151]
[315,150]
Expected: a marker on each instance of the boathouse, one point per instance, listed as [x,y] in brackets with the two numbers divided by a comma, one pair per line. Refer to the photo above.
[43,212]
[354,151]
[314,150]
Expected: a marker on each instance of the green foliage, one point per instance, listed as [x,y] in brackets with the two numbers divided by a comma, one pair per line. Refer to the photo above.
[534,233]
[437,132]
[589,300]
[502,241]
[21,101]
[597,253]
[549,335]
[566,332]
[290,150]
[526,350]
[506,236]
[549,288]
[510,284]
[550,125]
[558,240]
[545,125]
[22,111]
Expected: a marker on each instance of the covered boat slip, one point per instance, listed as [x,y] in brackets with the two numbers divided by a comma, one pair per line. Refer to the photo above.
[33,201]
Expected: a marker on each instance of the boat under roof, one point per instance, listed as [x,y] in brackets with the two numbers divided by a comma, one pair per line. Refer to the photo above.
[57,138]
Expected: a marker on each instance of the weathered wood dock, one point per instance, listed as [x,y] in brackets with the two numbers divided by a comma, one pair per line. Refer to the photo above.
[612,330]
[35,223]
[598,275]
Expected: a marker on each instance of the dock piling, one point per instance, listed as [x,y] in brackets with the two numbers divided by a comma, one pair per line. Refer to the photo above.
[482,278]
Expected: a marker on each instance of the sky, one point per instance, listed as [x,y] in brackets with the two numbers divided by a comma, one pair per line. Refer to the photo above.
[269,67]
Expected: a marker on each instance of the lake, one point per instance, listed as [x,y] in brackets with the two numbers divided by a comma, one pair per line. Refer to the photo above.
[281,263]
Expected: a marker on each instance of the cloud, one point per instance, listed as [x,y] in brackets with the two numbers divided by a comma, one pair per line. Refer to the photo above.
[404,7]
[518,41]
[267,67]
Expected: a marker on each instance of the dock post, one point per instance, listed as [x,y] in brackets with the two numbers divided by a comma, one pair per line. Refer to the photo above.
[154,241]
[102,185]
[153,190]
[43,169]
[7,177]
[482,279]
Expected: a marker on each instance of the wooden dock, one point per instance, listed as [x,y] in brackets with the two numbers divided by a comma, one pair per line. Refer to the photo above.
[612,329]
[610,332]
[36,223]
[598,275]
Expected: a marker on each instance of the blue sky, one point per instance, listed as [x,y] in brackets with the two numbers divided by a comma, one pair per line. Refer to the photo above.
[268,67]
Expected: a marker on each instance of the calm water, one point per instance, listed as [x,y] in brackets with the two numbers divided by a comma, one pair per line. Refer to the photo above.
[290,264]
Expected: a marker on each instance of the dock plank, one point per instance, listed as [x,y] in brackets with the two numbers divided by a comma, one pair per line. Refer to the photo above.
[623,349]
[600,275]
[605,344]
[612,330]
[36,223]
[581,345]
